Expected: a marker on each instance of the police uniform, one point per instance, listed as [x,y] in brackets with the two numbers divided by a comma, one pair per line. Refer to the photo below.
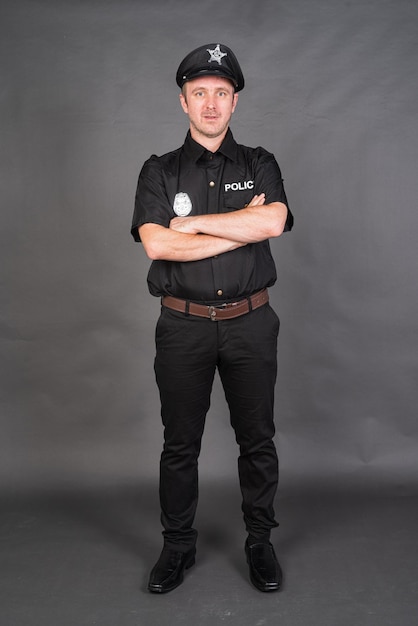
[215,315]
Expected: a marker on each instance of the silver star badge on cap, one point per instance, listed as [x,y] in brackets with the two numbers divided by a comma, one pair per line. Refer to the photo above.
[216,54]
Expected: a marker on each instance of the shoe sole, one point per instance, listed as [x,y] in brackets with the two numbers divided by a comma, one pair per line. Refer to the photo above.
[267,588]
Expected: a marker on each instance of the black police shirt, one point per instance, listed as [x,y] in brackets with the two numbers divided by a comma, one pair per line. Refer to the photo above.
[194,181]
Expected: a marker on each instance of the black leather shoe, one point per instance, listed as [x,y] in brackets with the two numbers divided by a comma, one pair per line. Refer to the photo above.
[168,572]
[265,571]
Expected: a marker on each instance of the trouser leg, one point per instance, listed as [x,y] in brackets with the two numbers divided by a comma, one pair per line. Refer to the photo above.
[184,365]
[248,369]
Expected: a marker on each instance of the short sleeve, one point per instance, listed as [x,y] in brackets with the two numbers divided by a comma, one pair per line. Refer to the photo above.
[269,179]
[151,201]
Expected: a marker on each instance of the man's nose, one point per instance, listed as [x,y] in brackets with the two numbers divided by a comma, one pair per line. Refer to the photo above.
[210,103]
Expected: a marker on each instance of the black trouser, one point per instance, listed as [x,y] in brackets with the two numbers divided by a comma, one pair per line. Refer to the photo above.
[189,349]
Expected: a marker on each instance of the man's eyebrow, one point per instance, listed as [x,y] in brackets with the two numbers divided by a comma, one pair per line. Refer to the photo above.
[214,89]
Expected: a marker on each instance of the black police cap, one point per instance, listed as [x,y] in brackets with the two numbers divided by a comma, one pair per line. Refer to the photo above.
[214,59]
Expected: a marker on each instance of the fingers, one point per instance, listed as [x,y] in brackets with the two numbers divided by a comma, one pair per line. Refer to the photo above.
[183,225]
[177,224]
[257,200]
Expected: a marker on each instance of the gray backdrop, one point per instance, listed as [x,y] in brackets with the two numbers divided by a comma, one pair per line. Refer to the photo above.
[87,94]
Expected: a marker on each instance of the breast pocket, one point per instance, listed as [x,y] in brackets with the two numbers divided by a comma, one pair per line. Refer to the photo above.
[232,201]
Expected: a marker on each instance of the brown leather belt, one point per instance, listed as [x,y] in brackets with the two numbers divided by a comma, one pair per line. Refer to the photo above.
[217,312]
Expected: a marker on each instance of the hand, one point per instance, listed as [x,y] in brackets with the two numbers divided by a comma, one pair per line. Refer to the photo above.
[184,225]
[257,200]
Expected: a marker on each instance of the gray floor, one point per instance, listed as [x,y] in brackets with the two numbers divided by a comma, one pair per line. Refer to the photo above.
[82,558]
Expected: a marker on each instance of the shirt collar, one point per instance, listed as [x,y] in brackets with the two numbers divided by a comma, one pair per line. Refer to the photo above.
[195,150]
[229,146]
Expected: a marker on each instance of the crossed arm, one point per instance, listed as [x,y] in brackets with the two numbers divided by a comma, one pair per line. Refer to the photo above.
[199,237]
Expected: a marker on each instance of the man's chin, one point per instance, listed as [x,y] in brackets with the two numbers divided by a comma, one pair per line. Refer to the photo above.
[213,133]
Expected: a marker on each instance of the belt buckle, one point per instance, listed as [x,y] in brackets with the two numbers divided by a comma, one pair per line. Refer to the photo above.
[212,313]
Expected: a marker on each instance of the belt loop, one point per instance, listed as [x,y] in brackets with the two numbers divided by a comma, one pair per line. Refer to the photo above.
[187,308]
[250,304]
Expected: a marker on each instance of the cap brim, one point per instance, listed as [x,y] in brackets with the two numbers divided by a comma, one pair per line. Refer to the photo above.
[211,72]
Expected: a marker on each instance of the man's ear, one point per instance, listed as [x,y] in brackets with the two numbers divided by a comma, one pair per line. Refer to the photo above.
[183,103]
[234,101]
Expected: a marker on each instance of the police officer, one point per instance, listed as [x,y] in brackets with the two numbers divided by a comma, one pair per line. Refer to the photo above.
[205,213]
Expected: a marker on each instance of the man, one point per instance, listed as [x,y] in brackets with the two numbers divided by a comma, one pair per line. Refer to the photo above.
[204,214]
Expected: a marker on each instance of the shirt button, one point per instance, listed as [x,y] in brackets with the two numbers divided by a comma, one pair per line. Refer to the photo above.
[219,292]
[211,184]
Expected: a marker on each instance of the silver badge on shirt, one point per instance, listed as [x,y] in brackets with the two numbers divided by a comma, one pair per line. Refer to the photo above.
[182,205]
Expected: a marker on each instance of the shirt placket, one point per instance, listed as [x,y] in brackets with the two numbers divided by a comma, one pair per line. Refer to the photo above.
[214,174]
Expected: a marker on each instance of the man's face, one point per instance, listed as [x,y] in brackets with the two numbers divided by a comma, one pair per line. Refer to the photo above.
[209,102]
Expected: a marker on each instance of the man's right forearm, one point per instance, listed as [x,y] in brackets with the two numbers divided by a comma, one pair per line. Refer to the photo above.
[165,244]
